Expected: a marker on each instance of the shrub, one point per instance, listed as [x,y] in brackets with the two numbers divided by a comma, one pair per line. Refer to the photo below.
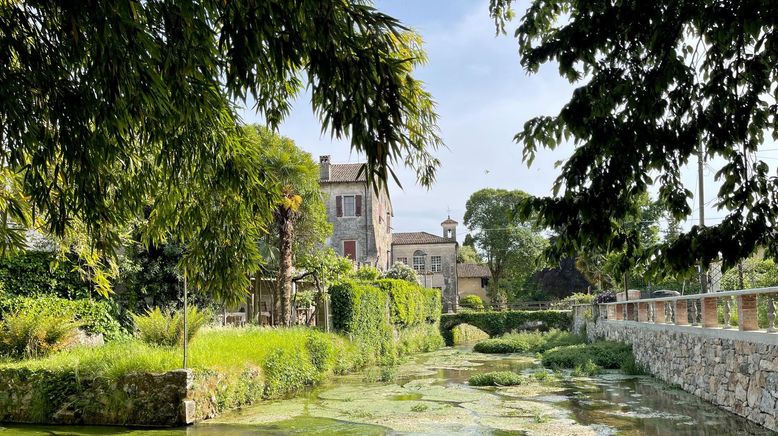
[472,302]
[528,342]
[497,323]
[36,273]
[579,298]
[94,316]
[31,334]
[367,273]
[167,328]
[411,303]
[420,338]
[497,378]
[466,334]
[401,271]
[359,310]
[605,354]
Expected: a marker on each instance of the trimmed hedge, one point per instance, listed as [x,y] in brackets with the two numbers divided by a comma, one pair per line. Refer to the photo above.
[361,311]
[94,316]
[33,273]
[370,313]
[498,323]
[411,304]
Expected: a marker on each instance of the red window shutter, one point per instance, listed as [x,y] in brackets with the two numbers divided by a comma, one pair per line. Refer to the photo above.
[339,206]
[350,249]
[358,205]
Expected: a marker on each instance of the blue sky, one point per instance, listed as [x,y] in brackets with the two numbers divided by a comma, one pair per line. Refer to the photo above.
[483,98]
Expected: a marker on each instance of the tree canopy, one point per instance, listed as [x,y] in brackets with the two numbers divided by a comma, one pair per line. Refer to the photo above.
[510,245]
[658,82]
[106,106]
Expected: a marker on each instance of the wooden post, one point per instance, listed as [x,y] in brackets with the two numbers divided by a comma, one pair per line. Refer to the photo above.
[681,314]
[746,312]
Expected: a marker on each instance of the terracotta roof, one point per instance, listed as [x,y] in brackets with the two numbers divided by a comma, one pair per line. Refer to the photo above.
[473,270]
[413,238]
[345,173]
[449,221]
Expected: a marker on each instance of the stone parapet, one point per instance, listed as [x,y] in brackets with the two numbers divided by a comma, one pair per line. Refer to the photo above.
[736,370]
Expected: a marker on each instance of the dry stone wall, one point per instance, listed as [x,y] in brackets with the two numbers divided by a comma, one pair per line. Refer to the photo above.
[735,370]
[134,399]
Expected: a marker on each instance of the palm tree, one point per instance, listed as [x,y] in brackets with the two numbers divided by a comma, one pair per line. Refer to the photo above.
[298,178]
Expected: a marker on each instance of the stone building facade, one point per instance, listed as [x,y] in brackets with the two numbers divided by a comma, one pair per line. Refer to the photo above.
[434,258]
[361,219]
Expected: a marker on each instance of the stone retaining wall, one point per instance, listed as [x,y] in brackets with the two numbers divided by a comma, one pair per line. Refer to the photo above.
[44,397]
[736,370]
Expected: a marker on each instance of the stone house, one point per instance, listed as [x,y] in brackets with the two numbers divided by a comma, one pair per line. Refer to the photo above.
[361,219]
[434,258]
[473,279]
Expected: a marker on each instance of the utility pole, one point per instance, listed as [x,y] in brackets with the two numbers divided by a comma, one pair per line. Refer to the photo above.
[186,331]
[701,195]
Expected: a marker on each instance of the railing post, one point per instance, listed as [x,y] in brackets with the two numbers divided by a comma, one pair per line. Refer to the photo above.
[746,312]
[710,316]
[681,314]
[660,316]
[694,312]
[642,312]
[770,314]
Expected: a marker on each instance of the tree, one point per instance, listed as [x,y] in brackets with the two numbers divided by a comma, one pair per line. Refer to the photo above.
[109,105]
[300,217]
[508,243]
[467,254]
[661,82]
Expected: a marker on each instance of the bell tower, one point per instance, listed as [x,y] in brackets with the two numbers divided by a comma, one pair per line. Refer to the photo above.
[449,228]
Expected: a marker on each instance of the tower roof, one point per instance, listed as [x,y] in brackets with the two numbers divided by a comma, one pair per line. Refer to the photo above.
[448,221]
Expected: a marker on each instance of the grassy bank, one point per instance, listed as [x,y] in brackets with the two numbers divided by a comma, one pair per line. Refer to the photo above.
[528,342]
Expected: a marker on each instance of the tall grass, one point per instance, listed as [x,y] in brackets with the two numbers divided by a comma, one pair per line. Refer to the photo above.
[157,327]
[528,342]
[31,334]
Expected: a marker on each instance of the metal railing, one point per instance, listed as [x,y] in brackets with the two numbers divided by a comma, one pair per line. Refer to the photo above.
[750,309]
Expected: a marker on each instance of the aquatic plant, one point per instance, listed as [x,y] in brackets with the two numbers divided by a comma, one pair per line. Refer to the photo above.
[605,354]
[496,378]
[528,342]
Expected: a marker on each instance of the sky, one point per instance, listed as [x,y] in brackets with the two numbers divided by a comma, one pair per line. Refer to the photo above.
[483,99]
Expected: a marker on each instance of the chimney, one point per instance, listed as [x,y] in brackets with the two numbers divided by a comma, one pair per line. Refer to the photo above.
[324,167]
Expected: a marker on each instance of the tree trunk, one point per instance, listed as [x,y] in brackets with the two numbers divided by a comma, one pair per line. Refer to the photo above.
[286,236]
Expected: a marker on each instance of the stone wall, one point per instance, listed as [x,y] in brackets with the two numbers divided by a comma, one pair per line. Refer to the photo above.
[44,397]
[736,370]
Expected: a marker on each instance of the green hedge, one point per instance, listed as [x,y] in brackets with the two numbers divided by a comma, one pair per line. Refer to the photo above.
[95,316]
[361,311]
[370,313]
[411,304]
[35,273]
[498,323]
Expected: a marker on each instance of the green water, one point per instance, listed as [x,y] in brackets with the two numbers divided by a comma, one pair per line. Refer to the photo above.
[429,395]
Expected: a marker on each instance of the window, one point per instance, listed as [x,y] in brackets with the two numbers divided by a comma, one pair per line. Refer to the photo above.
[350,249]
[436,264]
[403,260]
[349,206]
[418,264]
